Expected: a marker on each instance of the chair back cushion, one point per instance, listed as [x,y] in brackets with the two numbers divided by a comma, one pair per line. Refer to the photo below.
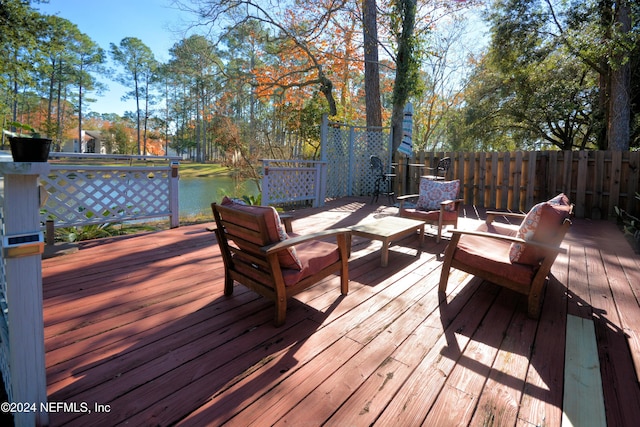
[541,224]
[276,232]
[432,193]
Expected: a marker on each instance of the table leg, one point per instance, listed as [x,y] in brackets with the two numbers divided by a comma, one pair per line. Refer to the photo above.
[384,253]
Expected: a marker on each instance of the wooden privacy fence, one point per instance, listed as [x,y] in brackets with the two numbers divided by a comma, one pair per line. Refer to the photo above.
[596,181]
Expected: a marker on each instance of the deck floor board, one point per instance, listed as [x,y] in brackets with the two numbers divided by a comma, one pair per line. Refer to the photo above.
[141,324]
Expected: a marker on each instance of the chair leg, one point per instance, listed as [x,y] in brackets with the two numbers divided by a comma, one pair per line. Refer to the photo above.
[438,236]
[228,284]
[534,299]
[344,245]
[281,312]
[446,265]
[444,278]
[534,306]
[376,191]
[344,281]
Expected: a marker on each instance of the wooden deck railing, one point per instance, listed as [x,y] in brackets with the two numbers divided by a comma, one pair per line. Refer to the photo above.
[596,181]
[85,193]
[293,181]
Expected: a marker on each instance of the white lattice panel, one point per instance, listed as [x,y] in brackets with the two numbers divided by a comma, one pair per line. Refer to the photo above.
[95,195]
[291,181]
[337,153]
[347,152]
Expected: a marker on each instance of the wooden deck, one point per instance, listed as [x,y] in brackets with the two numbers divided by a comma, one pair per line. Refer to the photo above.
[140,326]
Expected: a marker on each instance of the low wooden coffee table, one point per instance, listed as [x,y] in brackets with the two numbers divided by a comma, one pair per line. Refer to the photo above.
[387,229]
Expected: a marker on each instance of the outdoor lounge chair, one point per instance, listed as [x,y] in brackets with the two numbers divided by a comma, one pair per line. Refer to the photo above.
[437,204]
[258,253]
[516,259]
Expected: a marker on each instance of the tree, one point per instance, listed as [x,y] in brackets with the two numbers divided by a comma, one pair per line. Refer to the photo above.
[619,74]
[407,64]
[371,67]
[89,57]
[293,33]
[54,66]
[591,35]
[441,74]
[195,60]
[513,106]
[19,31]
[138,64]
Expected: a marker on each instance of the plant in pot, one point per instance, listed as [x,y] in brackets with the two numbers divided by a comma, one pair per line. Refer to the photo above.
[28,147]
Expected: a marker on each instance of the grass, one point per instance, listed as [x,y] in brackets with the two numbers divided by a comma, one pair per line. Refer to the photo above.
[200,170]
[188,169]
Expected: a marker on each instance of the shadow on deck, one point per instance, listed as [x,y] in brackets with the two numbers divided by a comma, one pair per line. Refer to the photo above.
[140,325]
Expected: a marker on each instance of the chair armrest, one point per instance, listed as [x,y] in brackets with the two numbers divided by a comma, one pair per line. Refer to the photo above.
[286,221]
[407,196]
[491,215]
[502,237]
[285,244]
[449,202]
[403,199]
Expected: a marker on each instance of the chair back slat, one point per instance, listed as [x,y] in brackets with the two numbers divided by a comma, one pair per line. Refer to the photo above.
[243,233]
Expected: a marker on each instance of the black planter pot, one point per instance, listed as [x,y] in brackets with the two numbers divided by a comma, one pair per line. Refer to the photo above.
[30,149]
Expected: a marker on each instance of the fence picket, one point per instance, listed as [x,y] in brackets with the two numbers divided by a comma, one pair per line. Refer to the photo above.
[581,183]
[616,172]
[517,180]
[531,179]
[633,180]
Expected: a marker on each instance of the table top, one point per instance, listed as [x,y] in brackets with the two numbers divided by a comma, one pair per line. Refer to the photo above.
[388,226]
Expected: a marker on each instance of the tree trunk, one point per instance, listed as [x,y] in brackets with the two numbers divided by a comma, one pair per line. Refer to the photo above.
[371,67]
[80,108]
[618,125]
[406,65]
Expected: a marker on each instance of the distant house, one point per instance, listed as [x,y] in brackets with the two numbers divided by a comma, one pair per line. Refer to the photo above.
[92,142]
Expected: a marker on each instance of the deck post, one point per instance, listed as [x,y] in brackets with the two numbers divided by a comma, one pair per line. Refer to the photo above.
[174,208]
[265,183]
[26,378]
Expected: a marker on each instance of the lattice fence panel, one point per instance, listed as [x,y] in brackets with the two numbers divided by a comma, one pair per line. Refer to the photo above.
[337,153]
[368,143]
[347,152]
[291,181]
[99,194]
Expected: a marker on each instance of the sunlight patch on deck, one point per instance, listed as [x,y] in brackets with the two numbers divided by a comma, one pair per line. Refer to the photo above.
[583,402]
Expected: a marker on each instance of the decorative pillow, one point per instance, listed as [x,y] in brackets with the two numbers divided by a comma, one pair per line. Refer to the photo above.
[432,193]
[560,200]
[277,233]
[541,224]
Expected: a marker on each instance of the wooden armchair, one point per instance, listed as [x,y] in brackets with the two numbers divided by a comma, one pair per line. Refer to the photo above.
[516,259]
[258,253]
[436,204]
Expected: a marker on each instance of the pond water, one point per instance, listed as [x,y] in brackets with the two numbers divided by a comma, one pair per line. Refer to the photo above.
[197,194]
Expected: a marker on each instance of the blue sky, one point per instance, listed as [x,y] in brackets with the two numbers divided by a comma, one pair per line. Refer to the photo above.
[154,22]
